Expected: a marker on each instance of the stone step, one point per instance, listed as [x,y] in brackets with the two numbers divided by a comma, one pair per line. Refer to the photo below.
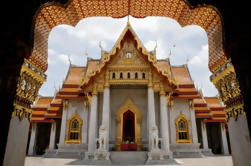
[128,157]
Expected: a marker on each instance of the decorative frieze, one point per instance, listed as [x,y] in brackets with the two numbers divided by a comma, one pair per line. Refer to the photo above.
[228,87]
[30,80]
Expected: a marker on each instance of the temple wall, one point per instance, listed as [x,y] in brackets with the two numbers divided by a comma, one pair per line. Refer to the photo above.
[179,106]
[78,107]
[139,98]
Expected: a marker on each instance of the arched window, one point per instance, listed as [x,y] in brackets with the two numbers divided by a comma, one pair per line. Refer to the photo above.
[128,75]
[143,76]
[113,76]
[136,75]
[182,129]
[121,76]
[74,130]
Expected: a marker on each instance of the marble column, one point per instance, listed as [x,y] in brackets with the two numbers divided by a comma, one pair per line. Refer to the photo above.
[63,124]
[193,125]
[85,124]
[92,135]
[204,135]
[224,139]
[52,136]
[106,115]
[151,113]
[164,122]
[32,139]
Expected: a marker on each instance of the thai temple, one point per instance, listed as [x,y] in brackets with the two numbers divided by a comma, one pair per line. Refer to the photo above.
[128,107]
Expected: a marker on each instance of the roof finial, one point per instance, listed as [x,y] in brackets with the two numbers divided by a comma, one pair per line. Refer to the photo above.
[156,45]
[187,60]
[86,54]
[170,53]
[100,45]
[69,59]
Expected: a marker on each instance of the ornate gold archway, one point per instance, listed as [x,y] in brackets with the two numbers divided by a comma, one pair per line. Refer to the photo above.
[128,105]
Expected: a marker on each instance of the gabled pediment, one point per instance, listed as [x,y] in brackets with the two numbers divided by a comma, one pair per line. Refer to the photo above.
[128,51]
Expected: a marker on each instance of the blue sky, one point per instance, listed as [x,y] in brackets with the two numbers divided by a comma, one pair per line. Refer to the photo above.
[66,41]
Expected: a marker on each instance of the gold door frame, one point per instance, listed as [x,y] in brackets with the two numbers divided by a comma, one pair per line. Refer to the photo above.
[128,105]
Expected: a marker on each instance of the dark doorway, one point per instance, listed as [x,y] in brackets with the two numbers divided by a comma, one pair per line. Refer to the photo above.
[128,126]
[42,137]
[214,137]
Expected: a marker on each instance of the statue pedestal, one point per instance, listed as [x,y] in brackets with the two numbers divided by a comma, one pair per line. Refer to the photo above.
[101,155]
[155,154]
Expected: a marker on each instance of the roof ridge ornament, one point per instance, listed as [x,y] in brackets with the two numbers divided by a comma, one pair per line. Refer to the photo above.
[69,59]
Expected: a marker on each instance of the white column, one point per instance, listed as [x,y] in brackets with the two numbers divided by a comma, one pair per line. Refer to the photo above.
[204,135]
[164,123]
[63,124]
[224,139]
[32,139]
[194,126]
[52,136]
[106,114]
[85,124]
[151,114]
[92,135]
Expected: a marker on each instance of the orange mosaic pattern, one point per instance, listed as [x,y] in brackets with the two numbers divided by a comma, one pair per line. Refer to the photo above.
[51,15]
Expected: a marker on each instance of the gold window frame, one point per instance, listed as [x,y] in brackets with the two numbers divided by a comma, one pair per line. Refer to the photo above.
[79,130]
[187,122]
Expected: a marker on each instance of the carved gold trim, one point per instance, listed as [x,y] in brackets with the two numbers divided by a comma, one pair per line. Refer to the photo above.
[21,112]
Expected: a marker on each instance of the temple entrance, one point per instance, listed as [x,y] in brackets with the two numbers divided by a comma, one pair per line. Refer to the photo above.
[128,127]
[128,133]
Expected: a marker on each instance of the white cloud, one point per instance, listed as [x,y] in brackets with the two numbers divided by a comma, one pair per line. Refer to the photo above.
[201,59]
[64,58]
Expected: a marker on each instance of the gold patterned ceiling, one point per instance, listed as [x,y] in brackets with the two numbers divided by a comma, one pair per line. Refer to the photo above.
[52,14]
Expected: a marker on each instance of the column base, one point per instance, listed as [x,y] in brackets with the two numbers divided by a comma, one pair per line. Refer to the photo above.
[207,152]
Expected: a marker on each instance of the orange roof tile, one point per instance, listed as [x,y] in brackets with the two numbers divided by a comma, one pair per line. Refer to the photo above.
[213,102]
[182,75]
[164,65]
[75,75]
[43,102]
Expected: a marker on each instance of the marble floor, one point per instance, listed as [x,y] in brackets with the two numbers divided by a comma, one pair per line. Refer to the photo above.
[205,161]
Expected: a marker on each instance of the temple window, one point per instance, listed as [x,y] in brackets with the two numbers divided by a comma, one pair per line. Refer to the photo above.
[128,75]
[113,76]
[128,55]
[143,76]
[74,130]
[136,75]
[121,76]
[182,129]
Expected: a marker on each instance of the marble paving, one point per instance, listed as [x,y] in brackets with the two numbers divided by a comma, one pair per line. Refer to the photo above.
[205,161]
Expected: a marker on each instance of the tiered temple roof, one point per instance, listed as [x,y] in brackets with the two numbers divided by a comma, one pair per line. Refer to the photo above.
[208,108]
[79,77]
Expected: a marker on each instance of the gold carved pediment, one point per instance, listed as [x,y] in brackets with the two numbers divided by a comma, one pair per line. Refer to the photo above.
[128,57]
